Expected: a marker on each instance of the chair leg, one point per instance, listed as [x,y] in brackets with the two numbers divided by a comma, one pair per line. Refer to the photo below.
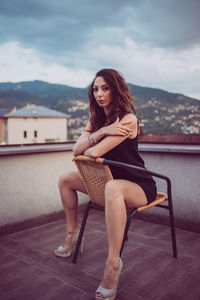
[128,222]
[173,232]
[75,254]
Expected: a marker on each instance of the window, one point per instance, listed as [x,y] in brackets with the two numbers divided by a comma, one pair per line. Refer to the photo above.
[35,133]
[25,134]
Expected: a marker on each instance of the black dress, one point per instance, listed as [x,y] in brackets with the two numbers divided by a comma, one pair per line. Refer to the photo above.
[127,152]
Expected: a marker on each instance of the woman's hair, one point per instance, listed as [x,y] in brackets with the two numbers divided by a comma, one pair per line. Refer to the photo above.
[120,105]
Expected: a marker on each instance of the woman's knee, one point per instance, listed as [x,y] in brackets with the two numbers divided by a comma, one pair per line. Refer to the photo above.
[65,180]
[112,190]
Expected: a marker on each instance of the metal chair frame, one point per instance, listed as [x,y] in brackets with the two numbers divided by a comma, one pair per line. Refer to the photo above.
[132,212]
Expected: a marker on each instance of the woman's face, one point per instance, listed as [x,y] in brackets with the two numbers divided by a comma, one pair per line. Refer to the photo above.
[102,92]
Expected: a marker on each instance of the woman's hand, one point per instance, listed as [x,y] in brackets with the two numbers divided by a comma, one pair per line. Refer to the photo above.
[114,134]
[117,128]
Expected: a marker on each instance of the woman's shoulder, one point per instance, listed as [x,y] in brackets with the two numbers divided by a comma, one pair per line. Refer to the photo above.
[129,117]
[130,120]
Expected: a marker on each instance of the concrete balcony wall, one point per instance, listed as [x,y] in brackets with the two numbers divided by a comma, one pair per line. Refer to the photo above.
[183,169]
[28,183]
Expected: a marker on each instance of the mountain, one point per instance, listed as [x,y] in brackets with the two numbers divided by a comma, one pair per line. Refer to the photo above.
[44,92]
[160,111]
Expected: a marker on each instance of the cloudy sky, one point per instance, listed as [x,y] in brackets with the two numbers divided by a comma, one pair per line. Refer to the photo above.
[154,43]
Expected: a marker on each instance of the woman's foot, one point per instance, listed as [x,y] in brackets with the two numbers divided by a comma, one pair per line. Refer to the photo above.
[70,237]
[67,248]
[108,287]
[111,274]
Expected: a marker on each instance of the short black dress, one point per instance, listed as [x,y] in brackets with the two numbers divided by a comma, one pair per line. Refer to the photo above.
[127,152]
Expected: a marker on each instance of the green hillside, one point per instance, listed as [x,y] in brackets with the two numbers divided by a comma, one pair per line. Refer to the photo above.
[160,111]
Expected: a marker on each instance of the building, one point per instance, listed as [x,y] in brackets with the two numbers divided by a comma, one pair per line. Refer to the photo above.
[3,112]
[36,124]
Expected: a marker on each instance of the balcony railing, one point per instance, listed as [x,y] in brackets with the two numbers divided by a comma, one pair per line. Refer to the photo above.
[29,175]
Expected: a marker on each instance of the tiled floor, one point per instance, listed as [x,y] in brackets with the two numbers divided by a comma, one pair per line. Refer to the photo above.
[29,269]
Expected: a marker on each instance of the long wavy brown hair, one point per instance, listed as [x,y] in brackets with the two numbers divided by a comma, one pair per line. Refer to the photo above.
[122,101]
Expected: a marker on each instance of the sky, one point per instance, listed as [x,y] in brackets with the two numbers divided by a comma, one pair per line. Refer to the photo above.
[152,43]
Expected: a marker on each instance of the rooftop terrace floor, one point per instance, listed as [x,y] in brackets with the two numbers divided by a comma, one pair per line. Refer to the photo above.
[29,269]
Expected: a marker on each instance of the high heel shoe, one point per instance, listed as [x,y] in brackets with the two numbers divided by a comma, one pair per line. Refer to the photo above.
[108,294]
[67,251]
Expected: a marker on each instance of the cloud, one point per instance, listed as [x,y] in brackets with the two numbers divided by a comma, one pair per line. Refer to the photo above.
[154,43]
[57,27]
[145,65]
[171,24]
[28,65]
[139,63]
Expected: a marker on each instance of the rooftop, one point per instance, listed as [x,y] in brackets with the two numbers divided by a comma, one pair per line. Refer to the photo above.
[30,270]
[32,110]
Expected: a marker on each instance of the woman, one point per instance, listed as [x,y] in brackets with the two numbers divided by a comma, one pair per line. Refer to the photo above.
[110,133]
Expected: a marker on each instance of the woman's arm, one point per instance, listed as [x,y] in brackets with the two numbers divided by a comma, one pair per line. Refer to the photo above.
[83,142]
[115,134]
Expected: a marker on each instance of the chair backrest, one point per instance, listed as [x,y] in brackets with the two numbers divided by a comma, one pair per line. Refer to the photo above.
[94,175]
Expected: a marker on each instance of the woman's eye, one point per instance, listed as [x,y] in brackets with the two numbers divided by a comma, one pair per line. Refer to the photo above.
[106,88]
[95,90]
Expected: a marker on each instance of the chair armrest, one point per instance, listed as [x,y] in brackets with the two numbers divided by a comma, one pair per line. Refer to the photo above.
[133,167]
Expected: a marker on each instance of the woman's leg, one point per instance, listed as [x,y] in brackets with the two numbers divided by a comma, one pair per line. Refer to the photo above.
[69,184]
[119,194]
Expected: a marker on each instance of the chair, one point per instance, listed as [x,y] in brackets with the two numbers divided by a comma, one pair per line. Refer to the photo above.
[95,173]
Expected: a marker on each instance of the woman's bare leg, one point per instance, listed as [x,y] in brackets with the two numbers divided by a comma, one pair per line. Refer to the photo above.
[119,194]
[69,184]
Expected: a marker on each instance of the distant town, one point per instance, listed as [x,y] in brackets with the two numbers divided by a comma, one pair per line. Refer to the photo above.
[178,119]
[159,112]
